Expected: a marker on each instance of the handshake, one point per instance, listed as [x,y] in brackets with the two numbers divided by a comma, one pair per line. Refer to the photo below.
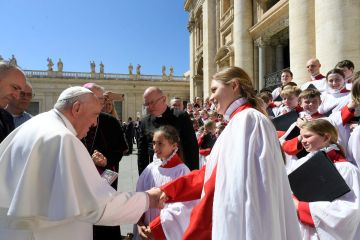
[157,198]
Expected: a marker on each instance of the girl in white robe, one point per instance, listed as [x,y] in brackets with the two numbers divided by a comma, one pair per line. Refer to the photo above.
[340,218]
[171,221]
[336,95]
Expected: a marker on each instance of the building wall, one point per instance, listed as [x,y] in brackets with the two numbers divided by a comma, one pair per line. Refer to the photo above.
[47,88]
[265,36]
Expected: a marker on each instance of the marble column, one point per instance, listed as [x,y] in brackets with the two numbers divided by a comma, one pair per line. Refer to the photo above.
[337,32]
[302,37]
[243,43]
[209,44]
[260,43]
[191,26]
[279,57]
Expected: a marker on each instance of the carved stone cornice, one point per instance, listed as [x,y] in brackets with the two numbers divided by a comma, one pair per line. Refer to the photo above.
[262,41]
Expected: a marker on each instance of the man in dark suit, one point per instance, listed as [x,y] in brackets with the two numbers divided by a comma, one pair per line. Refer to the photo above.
[12,81]
[159,114]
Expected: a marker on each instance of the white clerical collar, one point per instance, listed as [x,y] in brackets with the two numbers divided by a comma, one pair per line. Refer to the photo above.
[67,123]
[233,106]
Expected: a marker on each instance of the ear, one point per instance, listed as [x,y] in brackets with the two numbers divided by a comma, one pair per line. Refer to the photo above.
[76,109]
[235,85]
[327,137]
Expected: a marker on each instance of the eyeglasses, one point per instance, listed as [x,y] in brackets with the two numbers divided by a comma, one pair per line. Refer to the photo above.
[27,94]
[147,104]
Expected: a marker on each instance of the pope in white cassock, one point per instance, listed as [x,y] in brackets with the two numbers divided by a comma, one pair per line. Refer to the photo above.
[49,185]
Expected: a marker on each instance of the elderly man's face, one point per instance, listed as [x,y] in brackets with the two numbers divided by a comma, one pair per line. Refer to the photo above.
[88,113]
[154,103]
[177,104]
[10,86]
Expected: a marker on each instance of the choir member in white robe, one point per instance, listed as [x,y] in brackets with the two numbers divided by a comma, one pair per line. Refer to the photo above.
[243,190]
[49,185]
[336,95]
[317,79]
[174,217]
[340,218]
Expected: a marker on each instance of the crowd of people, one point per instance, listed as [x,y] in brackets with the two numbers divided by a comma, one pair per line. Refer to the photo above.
[218,168]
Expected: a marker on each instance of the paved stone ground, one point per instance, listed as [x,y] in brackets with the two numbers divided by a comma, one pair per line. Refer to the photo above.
[128,176]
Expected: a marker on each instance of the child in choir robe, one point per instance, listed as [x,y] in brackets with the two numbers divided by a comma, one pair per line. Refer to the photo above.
[340,218]
[336,95]
[347,67]
[286,77]
[167,165]
[290,101]
[310,101]
[206,141]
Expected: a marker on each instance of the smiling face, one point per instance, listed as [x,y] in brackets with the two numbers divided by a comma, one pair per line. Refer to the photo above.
[222,95]
[11,83]
[162,146]
[311,105]
[291,100]
[285,78]
[335,81]
[313,142]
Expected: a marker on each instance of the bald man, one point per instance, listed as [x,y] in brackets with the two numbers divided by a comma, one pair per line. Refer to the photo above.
[317,79]
[159,114]
[12,81]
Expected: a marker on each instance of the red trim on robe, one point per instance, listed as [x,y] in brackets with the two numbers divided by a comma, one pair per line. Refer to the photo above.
[318,77]
[304,214]
[316,115]
[292,146]
[189,187]
[344,90]
[280,133]
[156,229]
[205,152]
[336,156]
[347,114]
[173,162]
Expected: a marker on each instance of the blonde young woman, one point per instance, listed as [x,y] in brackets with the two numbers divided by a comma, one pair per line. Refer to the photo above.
[243,189]
[340,218]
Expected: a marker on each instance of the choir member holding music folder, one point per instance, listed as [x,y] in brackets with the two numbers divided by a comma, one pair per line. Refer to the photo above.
[325,185]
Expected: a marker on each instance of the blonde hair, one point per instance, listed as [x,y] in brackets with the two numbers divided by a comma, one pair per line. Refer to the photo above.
[290,90]
[322,127]
[247,90]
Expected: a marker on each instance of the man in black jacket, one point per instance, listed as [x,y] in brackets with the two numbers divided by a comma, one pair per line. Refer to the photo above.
[160,114]
[12,81]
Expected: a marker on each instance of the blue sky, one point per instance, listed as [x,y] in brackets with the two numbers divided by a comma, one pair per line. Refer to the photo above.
[117,32]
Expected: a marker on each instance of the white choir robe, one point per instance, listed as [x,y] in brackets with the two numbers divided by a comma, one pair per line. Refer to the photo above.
[252,198]
[333,101]
[340,218]
[320,84]
[50,188]
[174,217]
[353,148]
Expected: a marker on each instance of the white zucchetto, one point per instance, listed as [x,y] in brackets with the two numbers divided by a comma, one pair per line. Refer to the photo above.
[72,92]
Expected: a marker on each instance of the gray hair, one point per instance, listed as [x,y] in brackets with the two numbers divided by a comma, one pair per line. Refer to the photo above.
[66,104]
[6,67]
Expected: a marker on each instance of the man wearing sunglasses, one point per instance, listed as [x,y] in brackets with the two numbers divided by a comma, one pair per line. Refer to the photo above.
[17,107]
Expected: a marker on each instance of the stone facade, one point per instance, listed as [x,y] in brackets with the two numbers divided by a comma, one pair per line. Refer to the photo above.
[265,36]
[47,85]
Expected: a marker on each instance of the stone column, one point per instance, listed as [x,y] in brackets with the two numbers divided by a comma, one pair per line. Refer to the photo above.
[209,43]
[191,28]
[260,43]
[337,32]
[279,57]
[243,43]
[302,37]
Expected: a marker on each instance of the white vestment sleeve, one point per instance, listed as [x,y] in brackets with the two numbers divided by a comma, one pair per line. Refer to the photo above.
[353,148]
